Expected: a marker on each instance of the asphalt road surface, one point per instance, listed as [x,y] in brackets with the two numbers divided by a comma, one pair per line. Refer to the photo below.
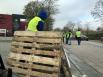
[90,55]
[5,49]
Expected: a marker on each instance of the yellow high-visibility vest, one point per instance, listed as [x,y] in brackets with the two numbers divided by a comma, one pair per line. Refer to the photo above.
[78,33]
[32,26]
[69,34]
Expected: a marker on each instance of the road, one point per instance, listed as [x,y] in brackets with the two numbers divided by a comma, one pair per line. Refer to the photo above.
[4,49]
[91,53]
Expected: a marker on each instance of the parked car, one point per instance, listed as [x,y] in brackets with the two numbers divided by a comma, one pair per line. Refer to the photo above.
[101,39]
[84,38]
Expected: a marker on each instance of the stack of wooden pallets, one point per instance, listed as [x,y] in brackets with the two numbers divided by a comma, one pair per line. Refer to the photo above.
[36,54]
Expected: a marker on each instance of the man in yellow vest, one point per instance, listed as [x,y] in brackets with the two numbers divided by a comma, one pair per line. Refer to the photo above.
[37,23]
[78,36]
[68,37]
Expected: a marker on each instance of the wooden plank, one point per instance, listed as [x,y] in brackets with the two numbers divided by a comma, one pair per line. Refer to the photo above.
[51,34]
[48,46]
[48,40]
[37,59]
[32,66]
[24,33]
[21,44]
[54,53]
[23,39]
[33,73]
[21,49]
[48,53]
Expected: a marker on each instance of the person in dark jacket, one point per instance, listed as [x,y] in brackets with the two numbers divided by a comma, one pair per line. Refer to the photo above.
[68,37]
[37,23]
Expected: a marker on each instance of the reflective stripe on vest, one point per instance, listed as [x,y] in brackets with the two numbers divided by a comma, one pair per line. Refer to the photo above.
[32,26]
[78,34]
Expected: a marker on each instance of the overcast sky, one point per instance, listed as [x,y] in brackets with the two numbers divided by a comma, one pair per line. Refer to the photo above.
[70,10]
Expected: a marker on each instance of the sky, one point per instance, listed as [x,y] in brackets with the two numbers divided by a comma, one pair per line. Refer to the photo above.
[69,10]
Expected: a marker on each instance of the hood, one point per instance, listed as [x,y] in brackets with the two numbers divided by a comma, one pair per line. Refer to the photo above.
[43,14]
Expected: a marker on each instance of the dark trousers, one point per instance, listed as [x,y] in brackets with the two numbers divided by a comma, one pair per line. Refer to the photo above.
[79,40]
[67,40]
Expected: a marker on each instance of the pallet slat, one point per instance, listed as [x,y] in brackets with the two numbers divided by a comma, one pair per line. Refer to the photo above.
[24,33]
[48,46]
[48,40]
[48,34]
[23,39]
[36,59]
[21,50]
[36,52]
[33,66]
[49,53]
[38,74]
[21,44]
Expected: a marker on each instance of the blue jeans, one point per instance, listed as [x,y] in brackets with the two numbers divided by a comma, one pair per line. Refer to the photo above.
[69,41]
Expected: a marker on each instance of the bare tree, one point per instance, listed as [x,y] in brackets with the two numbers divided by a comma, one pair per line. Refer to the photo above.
[70,25]
[97,12]
[66,28]
[51,6]
[100,29]
[57,29]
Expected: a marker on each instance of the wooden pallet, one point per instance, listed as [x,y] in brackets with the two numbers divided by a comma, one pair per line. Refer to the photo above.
[46,67]
[36,54]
